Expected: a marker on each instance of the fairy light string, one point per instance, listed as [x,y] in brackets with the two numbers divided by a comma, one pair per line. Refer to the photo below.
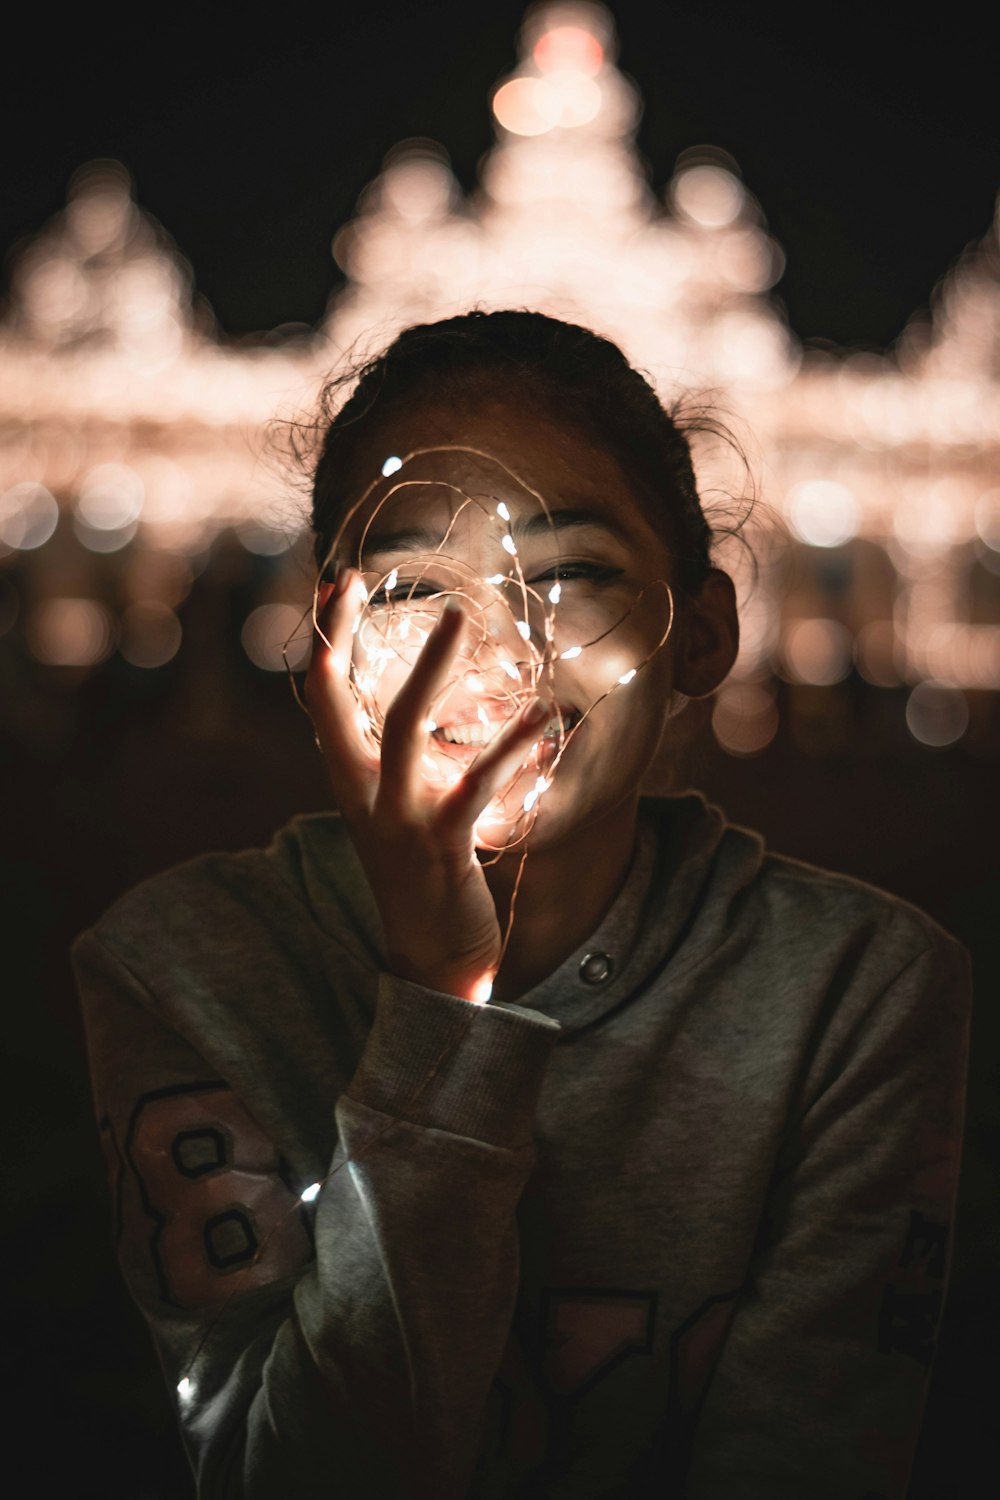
[509,656]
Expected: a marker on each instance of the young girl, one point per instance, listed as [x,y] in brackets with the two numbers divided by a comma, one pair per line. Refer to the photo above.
[507,1133]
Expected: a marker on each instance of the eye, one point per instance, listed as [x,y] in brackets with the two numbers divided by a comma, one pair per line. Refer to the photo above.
[403,593]
[568,572]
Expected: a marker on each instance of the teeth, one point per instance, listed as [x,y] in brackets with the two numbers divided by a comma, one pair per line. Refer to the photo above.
[468,734]
[481,734]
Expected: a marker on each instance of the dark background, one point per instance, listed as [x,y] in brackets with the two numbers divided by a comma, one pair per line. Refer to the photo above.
[871,141]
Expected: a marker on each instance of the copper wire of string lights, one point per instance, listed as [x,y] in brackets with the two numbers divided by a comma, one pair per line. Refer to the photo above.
[512,643]
[510,649]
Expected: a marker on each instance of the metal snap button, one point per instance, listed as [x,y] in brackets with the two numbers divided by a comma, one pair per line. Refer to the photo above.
[596,968]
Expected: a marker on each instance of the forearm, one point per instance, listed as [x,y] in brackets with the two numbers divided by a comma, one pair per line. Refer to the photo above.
[372,1356]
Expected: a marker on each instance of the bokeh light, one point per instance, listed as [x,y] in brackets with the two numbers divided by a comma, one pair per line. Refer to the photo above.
[708,196]
[817,651]
[987,519]
[29,515]
[822,512]
[123,409]
[271,627]
[744,718]
[70,632]
[564,48]
[150,634]
[937,716]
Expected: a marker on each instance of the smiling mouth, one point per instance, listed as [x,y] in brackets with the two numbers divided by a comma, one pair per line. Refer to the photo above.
[472,737]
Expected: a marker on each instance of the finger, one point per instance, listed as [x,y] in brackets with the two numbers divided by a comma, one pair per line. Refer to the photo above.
[404,731]
[331,702]
[496,767]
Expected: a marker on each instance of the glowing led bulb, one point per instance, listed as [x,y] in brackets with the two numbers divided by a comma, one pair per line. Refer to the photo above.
[311,1193]
[503,512]
[390,582]
[185,1389]
[627,677]
[507,543]
[430,726]
[570,652]
[510,669]
[496,578]
[523,629]
[482,990]
[555,593]
[392,466]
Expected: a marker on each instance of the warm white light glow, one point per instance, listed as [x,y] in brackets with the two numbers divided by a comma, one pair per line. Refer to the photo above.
[111,497]
[710,196]
[28,516]
[526,106]
[482,990]
[270,627]
[987,519]
[70,632]
[822,512]
[817,651]
[311,1193]
[120,408]
[744,718]
[936,716]
[568,47]
[150,634]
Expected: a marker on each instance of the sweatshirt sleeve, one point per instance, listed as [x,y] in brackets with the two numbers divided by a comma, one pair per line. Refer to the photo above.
[822,1380]
[352,1355]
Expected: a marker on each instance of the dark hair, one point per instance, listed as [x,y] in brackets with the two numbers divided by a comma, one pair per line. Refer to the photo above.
[584,376]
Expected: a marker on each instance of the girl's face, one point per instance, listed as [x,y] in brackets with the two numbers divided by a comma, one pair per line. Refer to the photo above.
[566,585]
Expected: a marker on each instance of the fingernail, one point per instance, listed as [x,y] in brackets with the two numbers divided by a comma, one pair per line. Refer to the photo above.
[323,594]
[537,711]
[453,606]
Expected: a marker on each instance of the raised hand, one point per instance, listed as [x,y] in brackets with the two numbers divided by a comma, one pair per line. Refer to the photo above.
[415,842]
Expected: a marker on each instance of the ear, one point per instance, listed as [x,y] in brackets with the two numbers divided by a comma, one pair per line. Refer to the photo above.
[709,637]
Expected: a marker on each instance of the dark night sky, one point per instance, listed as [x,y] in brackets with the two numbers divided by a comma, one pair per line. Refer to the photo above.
[871,139]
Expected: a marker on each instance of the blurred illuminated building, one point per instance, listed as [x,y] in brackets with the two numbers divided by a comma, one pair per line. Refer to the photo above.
[134,444]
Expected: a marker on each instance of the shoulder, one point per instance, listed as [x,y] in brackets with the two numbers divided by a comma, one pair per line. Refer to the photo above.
[823,902]
[784,930]
[306,884]
[867,958]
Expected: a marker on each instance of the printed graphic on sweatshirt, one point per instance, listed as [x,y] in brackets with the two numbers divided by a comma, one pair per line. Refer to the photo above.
[587,1334]
[911,1302]
[216,1213]
[584,1337]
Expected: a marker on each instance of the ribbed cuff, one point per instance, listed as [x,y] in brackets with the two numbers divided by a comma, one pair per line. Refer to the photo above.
[436,1060]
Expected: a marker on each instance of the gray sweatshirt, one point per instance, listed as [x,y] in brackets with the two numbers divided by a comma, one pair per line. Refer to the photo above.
[675,1224]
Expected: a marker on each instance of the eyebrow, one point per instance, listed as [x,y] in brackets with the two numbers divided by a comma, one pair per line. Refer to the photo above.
[421,539]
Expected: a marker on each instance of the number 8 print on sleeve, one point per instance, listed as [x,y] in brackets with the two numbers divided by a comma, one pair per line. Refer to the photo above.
[213,1208]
